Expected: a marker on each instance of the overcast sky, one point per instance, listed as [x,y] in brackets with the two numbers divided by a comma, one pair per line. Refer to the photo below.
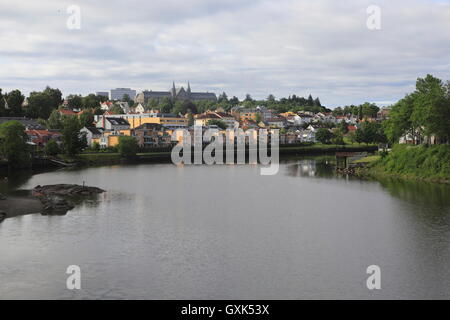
[283,47]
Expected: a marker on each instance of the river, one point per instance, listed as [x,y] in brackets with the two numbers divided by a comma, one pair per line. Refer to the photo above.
[226,232]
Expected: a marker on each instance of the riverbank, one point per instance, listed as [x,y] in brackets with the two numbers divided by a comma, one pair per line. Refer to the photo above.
[422,163]
[46,200]
[102,158]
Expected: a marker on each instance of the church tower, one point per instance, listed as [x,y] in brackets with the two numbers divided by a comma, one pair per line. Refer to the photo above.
[189,90]
[173,91]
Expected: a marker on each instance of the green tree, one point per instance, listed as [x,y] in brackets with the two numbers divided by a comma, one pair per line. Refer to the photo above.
[74,101]
[74,141]
[86,119]
[15,99]
[190,119]
[338,137]
[90,101]
[166,105]
[127,146]
[13,144]
[324,136]
[116,109]
[432,108]
[55,120]
[343,127]
[52,148]
[400,121]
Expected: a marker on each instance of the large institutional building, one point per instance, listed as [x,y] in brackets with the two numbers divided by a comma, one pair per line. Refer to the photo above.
[175,94]
[119,93]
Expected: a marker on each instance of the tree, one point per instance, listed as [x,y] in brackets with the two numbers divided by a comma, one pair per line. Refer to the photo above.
[55,120]
[310,101]
[74,101]
[400,121]
[234,101]
[248,98]
[369,110]
[343,127]
[190,119]
[15,99]
[338,137]
[52,148]
[324,136]
[90,101]
[432,108]
[370,132]
[317,102]
[258,117]
[13,144]
[222,98]
[74,141]
[116,109]
[166,105]
[55,97]
[127,146]
[86,119]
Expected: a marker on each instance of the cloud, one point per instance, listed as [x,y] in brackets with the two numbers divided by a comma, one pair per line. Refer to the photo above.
[322,47]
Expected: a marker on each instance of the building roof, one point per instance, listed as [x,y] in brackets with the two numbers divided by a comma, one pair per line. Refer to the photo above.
[94,130]
[118,121]
[208,116]
[67,112]
[29,124]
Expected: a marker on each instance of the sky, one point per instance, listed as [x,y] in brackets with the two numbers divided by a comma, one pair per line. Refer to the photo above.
[283,47]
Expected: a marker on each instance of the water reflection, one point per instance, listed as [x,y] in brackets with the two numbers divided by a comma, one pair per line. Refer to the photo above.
[322,167]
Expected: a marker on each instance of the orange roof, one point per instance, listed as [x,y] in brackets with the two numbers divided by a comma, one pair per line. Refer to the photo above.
[67,112]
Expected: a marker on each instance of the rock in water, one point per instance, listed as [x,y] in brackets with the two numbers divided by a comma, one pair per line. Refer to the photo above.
[66,190]
[55,198]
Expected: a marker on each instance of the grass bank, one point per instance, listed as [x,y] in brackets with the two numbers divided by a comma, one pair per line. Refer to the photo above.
[427,163]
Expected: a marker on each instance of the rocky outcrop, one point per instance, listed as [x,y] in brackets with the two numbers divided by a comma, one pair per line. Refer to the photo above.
[57,199]
[71,190]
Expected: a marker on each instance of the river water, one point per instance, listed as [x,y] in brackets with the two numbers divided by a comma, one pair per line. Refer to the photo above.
[226,232]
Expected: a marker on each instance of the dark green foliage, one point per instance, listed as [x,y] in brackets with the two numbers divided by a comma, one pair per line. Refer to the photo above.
[52,148]
[128,146]
[13,144]
[324,136]
[432,162]
[74,141]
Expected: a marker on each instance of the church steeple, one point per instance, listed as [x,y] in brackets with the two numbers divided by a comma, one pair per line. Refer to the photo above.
[174,91]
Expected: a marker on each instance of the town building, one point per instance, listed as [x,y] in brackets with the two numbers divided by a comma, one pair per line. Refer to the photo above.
[169,121]
[103,94]
[119,93]
[29,124]
[41,137]
[92,134]
[151,135]
[204,118]
[175,94]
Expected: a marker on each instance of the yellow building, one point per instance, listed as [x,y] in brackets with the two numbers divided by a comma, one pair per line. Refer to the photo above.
[167,120]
